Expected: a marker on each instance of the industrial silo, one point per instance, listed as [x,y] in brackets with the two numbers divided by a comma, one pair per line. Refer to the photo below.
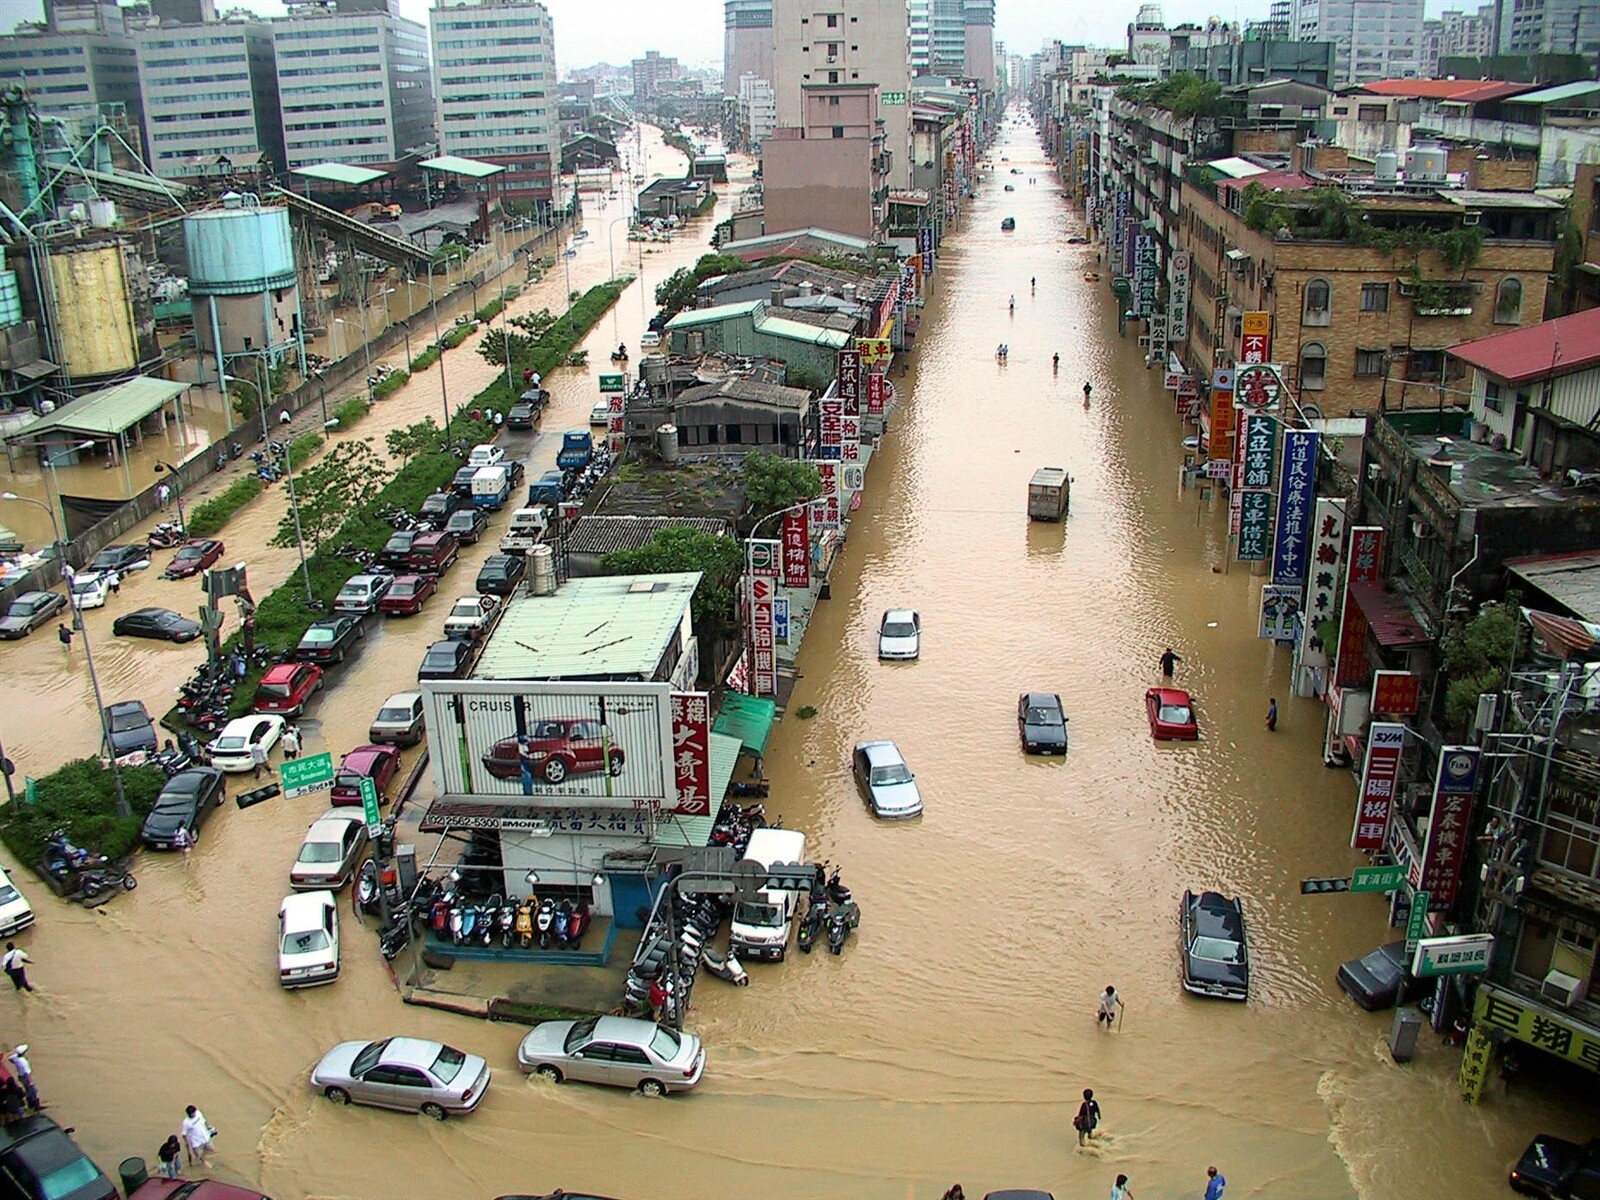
[242,279]
[95,324]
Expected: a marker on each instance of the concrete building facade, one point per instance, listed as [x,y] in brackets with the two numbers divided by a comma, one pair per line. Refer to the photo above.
[494,80]
[70,71]
[831,171]
[978,55]
[1550,27]
[209,91]
[1373,39]
[746,42]
[846,42]
[758,110]
[354,87]
[651,71]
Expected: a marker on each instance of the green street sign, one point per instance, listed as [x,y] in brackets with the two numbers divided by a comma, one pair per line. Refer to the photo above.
[30,790]
[302,776]
[611,383]
[369,806]
[1417,922]
[1377,879]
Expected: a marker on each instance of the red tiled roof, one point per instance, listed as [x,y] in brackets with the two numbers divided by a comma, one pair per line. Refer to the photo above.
[1562,636]
[1465,91]
[1556,347]
[1273,181]
[1389,616]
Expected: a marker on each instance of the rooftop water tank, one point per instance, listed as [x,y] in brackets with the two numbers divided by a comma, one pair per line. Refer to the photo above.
[542,570]
[1426,164]
[102,212]
[667,443]
[1386,167]
[238,250]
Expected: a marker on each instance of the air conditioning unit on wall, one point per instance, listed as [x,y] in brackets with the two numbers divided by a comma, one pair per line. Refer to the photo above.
[1560,988]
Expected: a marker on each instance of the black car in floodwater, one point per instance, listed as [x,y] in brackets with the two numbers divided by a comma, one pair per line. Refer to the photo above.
[1216,960]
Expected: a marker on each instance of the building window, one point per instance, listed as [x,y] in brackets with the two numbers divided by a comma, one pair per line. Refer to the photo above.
[1369,362]
[833,77]
[833,20]
[1508,302]
[1313,366]
[1572,838]
[1374,297]
[838,131]
[1318,308]
[1492,399]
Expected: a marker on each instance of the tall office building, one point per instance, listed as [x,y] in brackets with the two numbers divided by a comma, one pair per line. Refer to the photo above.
[210,90]
[353,83]
[978,57]
[919,36]
[847,42]
[746,43]
[1372,39]
[1550,27]
[78,61]
[494,77]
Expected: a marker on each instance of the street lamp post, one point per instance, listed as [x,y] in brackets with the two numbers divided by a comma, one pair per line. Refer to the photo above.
[299,536]
[123,808]
[444,395]
[55,486]
[177,489]
[366,352]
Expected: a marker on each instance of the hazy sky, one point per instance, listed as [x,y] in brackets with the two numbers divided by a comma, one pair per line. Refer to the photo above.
[588,31]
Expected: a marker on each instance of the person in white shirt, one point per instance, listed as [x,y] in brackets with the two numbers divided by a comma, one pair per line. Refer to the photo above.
[15,964]
[197,1134]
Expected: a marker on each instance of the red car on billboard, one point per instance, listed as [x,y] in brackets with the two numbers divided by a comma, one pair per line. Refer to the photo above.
[1171,715]
[558,747]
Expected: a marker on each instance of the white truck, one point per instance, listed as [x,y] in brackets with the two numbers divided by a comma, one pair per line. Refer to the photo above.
[491,487]
[761,925]
[527,529]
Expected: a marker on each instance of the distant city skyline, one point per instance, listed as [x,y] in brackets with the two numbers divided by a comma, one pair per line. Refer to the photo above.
[617,31]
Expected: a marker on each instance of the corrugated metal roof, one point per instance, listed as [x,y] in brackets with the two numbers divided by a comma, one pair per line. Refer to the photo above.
[1562,91]
[1236,168]
[1471,198]
[1539,351]
[1389,616]
[749,719]
[1562,636]
[332,172]
[597,534]
[454,164]
[1462,91]
[1571,580]
[751,391]
[799,331]
[614,627]
[712,315]
[109,411]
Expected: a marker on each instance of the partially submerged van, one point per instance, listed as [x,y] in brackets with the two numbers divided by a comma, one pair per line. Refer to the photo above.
[761,924]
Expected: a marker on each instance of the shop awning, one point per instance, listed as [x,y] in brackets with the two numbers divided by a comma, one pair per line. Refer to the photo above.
[1389,616]
[696,831]
[747,718]
[109,411]
[1564,637]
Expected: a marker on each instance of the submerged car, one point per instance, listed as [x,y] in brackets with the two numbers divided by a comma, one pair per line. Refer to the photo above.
[193,557]
[900,634]
[120,559]
[620,1051]
[885,781]
[361,593]
[408,594]
[1555,1167]
[558,747]
[286,688]
[162,624]
[182,804]
[467,524]
[330,639]
[400,722]
[330,851]
[231,749]
[29,611]
[15,911]
[377,763]
[40,1161]
[130,728]
[501,573]
[308,939]
[1380,979]
[1216,961]
[449,659]
[1041,723]
[1171,715]
[408,1074]
[91,589]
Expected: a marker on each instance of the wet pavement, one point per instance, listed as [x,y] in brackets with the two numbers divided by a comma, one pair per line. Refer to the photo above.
[952,1038]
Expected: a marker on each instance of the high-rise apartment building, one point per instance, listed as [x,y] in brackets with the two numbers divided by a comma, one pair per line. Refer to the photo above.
[651,70]
[919,36]
[210,91]
[1470,35]
[952,39]
[494,80]
[1550,27]
[847,42]
[746,43]
[978,55]
[353,84]
[758,110]
[828,172]
[1372,39]
[80,59]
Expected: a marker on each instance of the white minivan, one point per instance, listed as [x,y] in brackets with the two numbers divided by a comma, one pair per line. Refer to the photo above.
[761,924]
[15,911]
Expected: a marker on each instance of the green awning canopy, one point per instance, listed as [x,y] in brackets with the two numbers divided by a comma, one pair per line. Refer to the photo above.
[332,172]
[454,164]
[109,411]
[747,718]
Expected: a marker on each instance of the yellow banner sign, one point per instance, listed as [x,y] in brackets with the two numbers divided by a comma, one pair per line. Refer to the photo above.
[873,351]
[1536,1025]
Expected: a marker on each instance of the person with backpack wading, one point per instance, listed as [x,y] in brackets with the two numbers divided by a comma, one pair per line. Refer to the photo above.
[1088,1116]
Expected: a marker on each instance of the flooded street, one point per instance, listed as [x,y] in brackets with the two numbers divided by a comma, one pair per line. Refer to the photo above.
[952,1039]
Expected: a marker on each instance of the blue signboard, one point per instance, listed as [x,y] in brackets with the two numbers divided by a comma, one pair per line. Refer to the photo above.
[1255,515]
[1296,494]
[780,618]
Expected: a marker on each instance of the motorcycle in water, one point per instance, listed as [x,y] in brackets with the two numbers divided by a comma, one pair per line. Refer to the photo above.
[725,967]
[396,936]
[578,923]
[524,922]
[367,886]
[811,926]
[620,354]
[166,535]
[841,919]
[545,921]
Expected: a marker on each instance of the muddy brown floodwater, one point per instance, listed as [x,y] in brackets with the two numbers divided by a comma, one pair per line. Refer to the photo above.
[953,1037]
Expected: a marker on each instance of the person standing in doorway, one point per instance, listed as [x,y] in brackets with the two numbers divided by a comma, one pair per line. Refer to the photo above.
[1169,663]
[64,635]
[258,756]
[197,1135]
[1119,1189]
[1088,1116]
[291,742]
[15,964]
[1110,1002]
[1272,715]
[1214,1184]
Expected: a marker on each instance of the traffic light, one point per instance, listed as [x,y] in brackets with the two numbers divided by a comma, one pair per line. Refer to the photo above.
[791,877]
[246,799]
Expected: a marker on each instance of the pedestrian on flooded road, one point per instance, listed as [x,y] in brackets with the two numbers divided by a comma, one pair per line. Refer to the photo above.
[15,964]
[1214,1184]
[1088,388]
[258,756]
[65,636]
[1119,1189]
[658,998]
[1088,1116]
[163,495]
[171,1156]
[1169,662]
[1110,1002]
[183,840]
[17,1060]
[13,1104]
[197,1135]
[1272,715]
[291,742]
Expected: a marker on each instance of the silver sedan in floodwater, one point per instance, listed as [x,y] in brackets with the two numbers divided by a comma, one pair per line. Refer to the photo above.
[621,1051]
[408,1074]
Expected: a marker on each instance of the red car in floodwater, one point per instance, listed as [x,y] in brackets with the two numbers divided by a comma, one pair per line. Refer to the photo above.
[1171,715]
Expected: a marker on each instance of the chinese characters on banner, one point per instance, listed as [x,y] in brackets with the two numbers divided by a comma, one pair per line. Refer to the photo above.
[1446,843]
[1178,298]
[1280,607]
[1189,398]
[763,651]
[1324,570]
[831,420]
[849,371]
[925,245]
[1379,779]
[875,352]
[825,508]
[1258,387]
[761,557]
[1158,337]
[1295,490]
[1144,274]
[1366,549]
[614,426]
[1260,435]
[691,752]
[1396,693]
[1255,342]
[1255,519]
[796,539]
[1219,441]
[876,393]
[1122,230]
